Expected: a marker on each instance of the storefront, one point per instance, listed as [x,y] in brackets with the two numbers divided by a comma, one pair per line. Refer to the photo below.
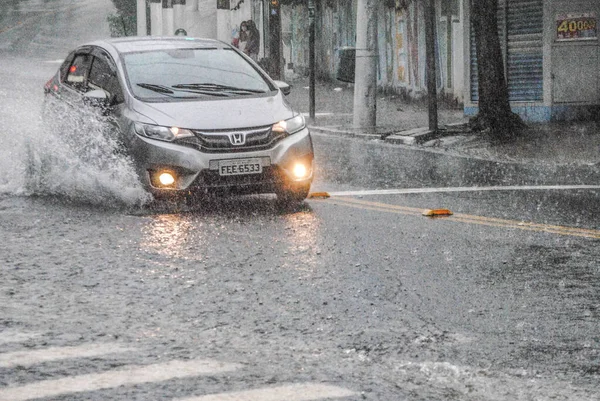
[551,57]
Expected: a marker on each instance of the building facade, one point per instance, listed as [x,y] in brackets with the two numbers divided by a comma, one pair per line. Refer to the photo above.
[401,36]
[550,47]
[551,58]
[401,43]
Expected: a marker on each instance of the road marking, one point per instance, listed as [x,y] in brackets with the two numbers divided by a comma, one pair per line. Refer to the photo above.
[8,28]
[11,336]
[28,358]
[292,392]
[402,191]
[59,61]
[471,219]
[122,377]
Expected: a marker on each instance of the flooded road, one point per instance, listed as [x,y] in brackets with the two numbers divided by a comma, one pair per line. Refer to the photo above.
[352,297]
[392,305]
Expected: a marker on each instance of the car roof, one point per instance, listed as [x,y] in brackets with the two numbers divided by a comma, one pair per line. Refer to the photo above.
[148,43]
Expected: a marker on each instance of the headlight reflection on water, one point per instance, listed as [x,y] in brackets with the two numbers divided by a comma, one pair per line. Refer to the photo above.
[185,245]
[167,235]
[302,241]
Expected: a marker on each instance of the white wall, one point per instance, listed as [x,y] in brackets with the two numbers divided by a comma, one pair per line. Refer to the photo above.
[200,18]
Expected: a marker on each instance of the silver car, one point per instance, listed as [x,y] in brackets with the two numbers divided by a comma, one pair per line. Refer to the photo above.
[195,115]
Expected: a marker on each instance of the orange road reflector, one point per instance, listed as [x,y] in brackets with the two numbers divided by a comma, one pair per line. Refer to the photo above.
[319,195]
[437,212]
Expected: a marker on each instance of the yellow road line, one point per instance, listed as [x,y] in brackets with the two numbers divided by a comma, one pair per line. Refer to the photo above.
[471,219]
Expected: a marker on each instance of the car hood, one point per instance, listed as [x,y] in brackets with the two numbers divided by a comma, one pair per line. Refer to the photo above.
[240,112]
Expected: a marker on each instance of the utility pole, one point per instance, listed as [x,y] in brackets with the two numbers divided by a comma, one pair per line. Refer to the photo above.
[179,15]
[156,18]
[365,81]
[167,18]
[275,39]
[311,59]
[142,29]
[431,69]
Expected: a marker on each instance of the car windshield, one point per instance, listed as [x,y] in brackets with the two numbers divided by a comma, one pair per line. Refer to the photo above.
[173,74]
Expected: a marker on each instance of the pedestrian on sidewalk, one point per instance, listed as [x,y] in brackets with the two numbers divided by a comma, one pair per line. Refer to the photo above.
[235,36]
[253,44]
[243,36]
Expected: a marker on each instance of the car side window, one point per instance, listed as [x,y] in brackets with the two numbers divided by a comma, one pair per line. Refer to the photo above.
[77,73]
[64,68]
[102,76]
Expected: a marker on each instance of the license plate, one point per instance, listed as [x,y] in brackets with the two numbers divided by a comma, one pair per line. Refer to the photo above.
[240,166]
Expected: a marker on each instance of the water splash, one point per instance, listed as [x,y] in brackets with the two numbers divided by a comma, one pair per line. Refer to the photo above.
[74,156]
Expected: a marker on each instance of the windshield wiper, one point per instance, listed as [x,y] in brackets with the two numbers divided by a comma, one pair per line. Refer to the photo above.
[216,88]
[156,88]
[168,91]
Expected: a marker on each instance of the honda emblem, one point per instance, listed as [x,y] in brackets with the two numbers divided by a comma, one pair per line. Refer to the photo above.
[237,138]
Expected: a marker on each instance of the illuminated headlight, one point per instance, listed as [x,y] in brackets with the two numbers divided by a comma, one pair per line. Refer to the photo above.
[162,133]
[166,179]
[300,171]
[290,126]
[163,178]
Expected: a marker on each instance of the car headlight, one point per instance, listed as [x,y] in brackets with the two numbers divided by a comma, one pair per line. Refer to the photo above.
[162,133]
[290,126]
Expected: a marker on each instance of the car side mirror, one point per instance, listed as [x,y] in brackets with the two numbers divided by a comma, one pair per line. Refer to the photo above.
[284,87]
[100,99]
[96,97]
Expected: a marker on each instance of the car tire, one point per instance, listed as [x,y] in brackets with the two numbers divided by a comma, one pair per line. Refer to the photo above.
[292,194]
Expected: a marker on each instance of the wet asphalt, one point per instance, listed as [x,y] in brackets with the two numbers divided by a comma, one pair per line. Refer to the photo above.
[497,302]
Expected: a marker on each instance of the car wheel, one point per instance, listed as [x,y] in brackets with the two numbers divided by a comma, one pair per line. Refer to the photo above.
[292,194]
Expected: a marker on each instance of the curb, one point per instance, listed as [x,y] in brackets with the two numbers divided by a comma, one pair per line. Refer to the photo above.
[415,136]
[350,132]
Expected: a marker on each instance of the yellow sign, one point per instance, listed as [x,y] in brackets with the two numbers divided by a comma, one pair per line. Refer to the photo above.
[580,26]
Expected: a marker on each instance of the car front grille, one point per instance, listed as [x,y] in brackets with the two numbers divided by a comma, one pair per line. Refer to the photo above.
[211,179]
[224,141]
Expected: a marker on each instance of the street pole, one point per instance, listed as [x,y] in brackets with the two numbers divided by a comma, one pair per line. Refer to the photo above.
[142,29]
[365,81]
[311,59]
[276,70]
[179,15]
[167,15]
[156,18]
[431,68]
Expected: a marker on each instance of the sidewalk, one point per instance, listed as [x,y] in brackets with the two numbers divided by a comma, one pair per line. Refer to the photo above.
[405,122]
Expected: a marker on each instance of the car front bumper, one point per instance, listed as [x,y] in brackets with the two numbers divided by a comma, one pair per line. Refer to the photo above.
[197,171]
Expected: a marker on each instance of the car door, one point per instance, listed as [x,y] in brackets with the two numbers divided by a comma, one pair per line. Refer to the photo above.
[63,103]
[91,99]
[103,76]
[74,81]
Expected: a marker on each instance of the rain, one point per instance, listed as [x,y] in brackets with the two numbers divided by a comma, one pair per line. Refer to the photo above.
[108,292]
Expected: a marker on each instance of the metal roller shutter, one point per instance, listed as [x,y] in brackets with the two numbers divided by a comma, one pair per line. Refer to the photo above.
[520,27]
[525,53]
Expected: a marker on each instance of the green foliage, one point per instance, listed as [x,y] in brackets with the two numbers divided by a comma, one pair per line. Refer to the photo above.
[125,7]
[124,21]
[402,4]
[399,4]
[122,25]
